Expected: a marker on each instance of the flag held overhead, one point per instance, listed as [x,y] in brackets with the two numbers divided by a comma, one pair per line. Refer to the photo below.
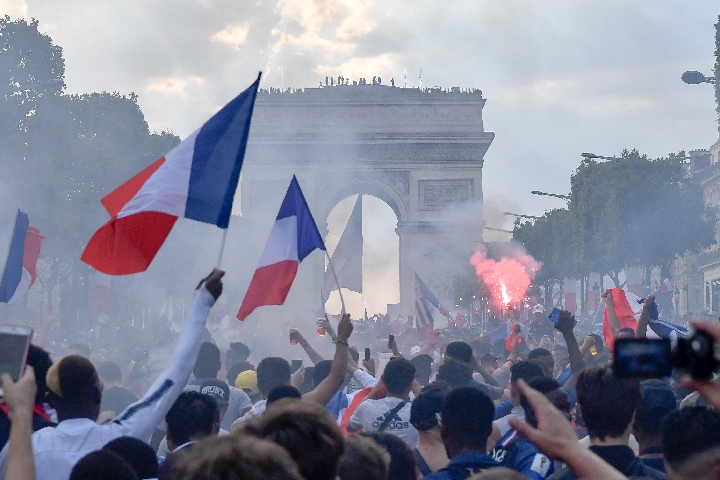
[197,180]
[293,236]
[20,267]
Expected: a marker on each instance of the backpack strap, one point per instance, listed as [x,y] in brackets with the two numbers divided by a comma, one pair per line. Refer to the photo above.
[390,416]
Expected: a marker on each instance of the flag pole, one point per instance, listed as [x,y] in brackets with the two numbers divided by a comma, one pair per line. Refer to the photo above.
[222,248]
[332,269]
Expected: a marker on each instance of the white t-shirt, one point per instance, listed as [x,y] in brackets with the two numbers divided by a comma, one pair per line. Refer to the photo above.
[503,423]
[371,413]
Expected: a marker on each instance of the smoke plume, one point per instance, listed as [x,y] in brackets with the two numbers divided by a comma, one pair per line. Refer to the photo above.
[507,278]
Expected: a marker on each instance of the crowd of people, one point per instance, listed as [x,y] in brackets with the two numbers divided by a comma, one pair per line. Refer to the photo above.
[413,406]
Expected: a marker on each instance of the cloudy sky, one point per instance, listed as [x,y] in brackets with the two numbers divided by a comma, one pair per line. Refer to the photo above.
[560,77]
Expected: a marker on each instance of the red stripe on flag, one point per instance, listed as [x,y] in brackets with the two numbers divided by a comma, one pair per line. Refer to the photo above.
[129,244]
[116,200]
[624,313]
[269,286]
[33,243]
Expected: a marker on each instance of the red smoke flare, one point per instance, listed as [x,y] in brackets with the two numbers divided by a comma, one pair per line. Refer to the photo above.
[509,278]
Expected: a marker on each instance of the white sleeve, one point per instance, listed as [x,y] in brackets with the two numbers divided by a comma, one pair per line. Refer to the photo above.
[140,419]
[364,379]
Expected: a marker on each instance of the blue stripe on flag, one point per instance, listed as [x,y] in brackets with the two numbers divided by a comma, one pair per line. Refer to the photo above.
[664,329]
[217,159]
[14,263]
[294,205]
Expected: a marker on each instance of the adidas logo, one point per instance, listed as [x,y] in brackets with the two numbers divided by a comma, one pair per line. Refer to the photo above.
[396,423]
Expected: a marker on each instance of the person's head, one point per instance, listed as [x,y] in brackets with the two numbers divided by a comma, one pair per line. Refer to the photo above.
[525,371]
[657,400]
[102,465]
[307,431]
[423,368]
[626,332]
[321,371]
[192,417]
[539,313]
[208,362]
[79,349]
[283,391]
[489,362]
[466,421]
[460,351]
[271,372]
[236,369]
[238,352]
[363,459]
[74,388]
[109,372]
[424,410]
[218,390]
[607,403]
[691,443]
[543,355]
[398,376]
[236,456]
[402,460]
[40,360]
[137,453]
[553,391]
[247,382]
[454,373]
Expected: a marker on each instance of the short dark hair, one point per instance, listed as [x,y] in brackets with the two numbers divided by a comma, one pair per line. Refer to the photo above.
[282,391]
[40,360]
[526,371]
[459,351]
[424,408]
[467,416]
[658,400]
[689,431]
[102,465]
[539,352]
[192,414]
[423,367]
[208,363]
[72,379]
[238,352]
[454,373]
[236,369]
[363,459]
[552,390]
[321,371]
[272,371]
[398,375]
[137,453]
[402,460]
[607,402]
[109,371]
[83,348]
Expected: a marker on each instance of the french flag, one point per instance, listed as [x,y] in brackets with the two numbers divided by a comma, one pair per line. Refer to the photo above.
[627,306]
[293,236]
[20,268]
[197,180]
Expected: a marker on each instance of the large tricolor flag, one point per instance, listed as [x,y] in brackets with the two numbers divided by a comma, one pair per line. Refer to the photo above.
[197,180]
[293,236]
[20,266]
[625,312]
[427,305]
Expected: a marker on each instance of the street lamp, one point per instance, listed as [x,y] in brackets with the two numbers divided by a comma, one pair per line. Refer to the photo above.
[591,156]
[519,215]
[564,197]
[693,77]
[498,230]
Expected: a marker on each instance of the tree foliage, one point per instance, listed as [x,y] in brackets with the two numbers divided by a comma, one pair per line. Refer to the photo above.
[632,212]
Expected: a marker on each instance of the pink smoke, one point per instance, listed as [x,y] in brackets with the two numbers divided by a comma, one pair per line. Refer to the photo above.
[508,278]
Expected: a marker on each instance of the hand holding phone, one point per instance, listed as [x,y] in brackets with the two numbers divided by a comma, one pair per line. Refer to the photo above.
[367,354]
[14,345]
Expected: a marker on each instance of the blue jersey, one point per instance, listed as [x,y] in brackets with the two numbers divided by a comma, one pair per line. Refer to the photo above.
[516,452]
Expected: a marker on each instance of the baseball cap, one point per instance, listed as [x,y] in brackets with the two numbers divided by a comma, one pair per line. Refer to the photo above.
[538,309]
[247,381]
[217,389]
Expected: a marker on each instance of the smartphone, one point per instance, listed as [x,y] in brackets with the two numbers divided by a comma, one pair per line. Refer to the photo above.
[391,339]
[295,365]
[14,344]
[642,358]
[367,354]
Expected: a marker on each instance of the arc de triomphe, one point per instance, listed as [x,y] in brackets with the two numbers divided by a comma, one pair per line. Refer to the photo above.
[420,151]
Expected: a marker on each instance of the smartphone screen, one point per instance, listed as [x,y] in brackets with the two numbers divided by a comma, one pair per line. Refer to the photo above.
[642,358]
[391,339]
[295,365]
[14,344]
[367,354]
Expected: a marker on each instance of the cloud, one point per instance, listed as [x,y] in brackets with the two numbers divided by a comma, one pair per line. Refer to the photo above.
[172,85]
[233,35]
[14,8]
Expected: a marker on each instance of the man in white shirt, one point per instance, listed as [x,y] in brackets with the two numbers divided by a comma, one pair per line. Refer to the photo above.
[392,413]
[75,393]
[527,371]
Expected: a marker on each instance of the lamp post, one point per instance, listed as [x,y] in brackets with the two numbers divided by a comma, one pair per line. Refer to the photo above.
[693,77]
[519,215]
[564,197]
[596,295]
[591,156]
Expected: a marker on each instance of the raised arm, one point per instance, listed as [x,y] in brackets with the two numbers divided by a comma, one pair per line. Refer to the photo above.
[20,400]
[141,418]
[644,317]
[311,352]
[327,388]
[612,316]
[566,323]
